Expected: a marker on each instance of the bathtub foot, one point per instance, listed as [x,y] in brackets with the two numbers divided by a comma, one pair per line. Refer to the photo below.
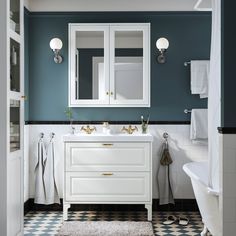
[205,231]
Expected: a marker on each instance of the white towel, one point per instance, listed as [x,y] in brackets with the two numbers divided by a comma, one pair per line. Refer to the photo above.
[39,171]
[199,125]
[51,190]
[200,77]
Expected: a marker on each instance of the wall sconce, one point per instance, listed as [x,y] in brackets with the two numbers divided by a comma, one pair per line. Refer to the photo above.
[162,44]
[56,45]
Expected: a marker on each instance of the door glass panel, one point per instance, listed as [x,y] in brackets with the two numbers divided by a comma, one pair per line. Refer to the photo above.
[128,74]
[15,15]
[90,68]
[14,125]
[15,66]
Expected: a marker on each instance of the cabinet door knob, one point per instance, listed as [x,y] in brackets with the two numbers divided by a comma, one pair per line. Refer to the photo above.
[107,174]
[111,93]
[107,93]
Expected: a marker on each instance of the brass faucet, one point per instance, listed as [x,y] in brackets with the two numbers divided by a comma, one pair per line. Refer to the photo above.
[88,130]
[129,130]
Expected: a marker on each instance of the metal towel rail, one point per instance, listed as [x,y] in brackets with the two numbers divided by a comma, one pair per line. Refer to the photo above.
[186,111]
[186,63]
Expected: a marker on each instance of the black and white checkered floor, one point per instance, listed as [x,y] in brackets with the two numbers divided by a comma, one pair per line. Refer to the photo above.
[48,223]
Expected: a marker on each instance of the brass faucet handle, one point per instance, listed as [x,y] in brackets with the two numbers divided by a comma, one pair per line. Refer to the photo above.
[123,129]
[88,130]
[129,130]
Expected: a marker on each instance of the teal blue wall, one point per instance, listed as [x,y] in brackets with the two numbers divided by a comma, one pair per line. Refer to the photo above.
[189,37]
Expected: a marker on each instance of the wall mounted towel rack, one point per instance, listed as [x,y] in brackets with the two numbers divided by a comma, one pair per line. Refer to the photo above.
[186,111]
[186,63]
[52,135]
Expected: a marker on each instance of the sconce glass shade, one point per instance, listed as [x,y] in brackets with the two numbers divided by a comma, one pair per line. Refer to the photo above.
[162,43]
[56,44]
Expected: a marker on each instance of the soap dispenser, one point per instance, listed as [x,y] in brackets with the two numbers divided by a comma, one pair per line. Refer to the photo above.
[106,128]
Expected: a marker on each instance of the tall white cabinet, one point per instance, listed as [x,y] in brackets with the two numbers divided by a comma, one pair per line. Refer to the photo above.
[12,105]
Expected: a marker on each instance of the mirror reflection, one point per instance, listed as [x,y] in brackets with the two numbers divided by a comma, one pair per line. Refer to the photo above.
[90,65]
[128,67]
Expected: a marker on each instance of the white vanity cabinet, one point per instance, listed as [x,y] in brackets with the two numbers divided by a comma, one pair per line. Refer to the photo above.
[109,65]
[108,171]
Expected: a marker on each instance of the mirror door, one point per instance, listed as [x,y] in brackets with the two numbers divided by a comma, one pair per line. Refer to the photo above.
[89,66]
[129,70]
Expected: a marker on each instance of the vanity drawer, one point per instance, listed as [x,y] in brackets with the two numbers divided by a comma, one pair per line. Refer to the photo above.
[107,186]
[108,157]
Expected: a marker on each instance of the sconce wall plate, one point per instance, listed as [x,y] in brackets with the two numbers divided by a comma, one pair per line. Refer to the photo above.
[57,58]
[161,57]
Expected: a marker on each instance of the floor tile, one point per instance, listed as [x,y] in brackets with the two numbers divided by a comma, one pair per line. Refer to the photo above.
[48,223]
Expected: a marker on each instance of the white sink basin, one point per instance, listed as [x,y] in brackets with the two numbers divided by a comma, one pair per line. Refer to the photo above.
[117,137]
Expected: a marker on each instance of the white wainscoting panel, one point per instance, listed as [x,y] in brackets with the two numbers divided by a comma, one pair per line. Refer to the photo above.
[227,183]
[181,148]
[26,162]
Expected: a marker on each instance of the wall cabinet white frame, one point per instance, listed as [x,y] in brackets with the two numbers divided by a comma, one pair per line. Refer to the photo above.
[117,80]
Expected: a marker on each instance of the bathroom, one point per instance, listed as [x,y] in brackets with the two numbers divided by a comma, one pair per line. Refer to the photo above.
[47,94]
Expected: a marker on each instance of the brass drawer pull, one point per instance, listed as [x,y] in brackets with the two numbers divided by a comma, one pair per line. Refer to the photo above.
[107,144]
[107,174]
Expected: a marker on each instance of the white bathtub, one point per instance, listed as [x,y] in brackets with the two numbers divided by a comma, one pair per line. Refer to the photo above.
[207,198]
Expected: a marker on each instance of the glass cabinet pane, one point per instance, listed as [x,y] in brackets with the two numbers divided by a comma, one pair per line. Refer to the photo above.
[14,125]
[15,66]
[128,65]
[15,15]
[90,68]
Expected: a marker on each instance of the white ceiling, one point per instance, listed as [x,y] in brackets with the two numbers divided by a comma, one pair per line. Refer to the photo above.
[116,5]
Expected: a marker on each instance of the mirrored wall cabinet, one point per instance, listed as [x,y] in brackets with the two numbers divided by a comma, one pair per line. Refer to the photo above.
[109,65]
